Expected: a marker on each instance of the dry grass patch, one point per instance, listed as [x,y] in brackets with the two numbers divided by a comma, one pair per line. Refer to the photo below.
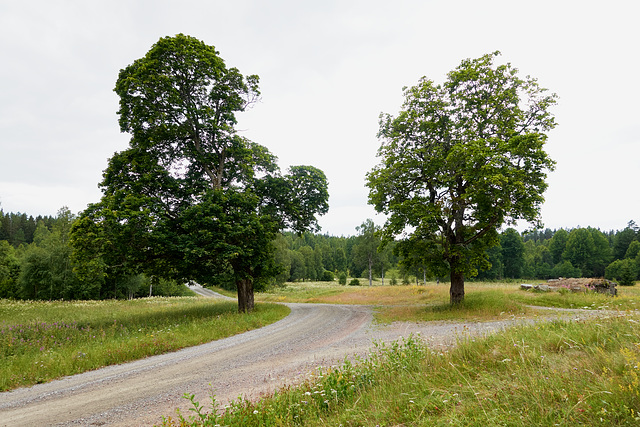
[483,301]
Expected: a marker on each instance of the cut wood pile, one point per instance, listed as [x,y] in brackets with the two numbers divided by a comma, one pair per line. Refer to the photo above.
[602,286]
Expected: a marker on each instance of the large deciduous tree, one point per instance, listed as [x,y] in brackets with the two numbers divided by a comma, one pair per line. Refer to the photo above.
[459,161]
[191,199]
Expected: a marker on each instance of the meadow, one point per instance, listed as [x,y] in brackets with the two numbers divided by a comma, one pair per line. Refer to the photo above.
[44,340]
[483,300]
[552,373]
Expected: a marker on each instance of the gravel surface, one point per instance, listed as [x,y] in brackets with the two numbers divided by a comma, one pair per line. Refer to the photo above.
[250,364]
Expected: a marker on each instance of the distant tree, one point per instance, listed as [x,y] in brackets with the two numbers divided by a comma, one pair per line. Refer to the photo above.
[633,250]
[565,269]
[282,259]
[512,253]
[496,270]
[602,253]
[621,242]
[624,271]
[580,249]
[313,267]
[365,252]
[9,271]
[459,161]
[298,266]
[340,259]
[558,244]
[342,278]
[544,271]
[46,266]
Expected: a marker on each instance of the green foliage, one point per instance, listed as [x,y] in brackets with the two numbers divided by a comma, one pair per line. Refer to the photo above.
[633,250]
[622,240]
[365,250]
[512,253]
[354,282]
[342,279]
[460,160]
[623,271]
[328,276]
[9,271]
[565,269]
[588,250]
[190,199]
[18,228]
[558,244]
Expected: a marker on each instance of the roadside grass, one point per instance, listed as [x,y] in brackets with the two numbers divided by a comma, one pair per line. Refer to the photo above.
[483,300]
[549,374]
[41,341]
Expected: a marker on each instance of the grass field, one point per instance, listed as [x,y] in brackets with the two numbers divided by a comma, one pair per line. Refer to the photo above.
[559,373]
[483,300]
[552,373]
[549,374]
[41,341]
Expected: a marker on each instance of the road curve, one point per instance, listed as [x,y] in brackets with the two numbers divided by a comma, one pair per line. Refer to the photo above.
[250,364]
[140,392]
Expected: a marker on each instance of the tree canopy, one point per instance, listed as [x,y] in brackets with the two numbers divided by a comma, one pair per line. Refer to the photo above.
[461,159]
[190,199]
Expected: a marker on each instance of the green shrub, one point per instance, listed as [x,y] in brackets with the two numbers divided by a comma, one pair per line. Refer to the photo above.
[327,276]
[342,279]
[394,280]
[624,271]
[565,269]
[354,282]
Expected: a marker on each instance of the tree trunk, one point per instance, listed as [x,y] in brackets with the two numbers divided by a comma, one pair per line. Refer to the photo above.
[245,295]
[456,292]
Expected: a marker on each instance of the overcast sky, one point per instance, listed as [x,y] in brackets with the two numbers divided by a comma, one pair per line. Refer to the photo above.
[327,70]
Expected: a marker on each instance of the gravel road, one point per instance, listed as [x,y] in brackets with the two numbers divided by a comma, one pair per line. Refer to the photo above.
[250,365]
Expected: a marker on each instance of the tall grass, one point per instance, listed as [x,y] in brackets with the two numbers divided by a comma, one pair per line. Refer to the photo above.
[41,341]
[549,374]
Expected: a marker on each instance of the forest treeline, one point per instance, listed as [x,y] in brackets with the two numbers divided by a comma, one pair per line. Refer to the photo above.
[37,262]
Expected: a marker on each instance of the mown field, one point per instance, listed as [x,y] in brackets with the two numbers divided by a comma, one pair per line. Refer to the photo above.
[41,341]
[558,373]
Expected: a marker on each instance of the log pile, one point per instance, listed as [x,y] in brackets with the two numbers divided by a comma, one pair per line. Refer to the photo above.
[602,286]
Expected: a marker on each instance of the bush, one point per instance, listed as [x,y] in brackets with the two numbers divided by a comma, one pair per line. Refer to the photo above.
[342,279]
[623,271]
[565,269]
[394,280]
[354,282]
[327,276]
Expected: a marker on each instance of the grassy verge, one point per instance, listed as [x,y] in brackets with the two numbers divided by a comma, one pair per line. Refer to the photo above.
[556,373]
[41,341]
[483,300]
